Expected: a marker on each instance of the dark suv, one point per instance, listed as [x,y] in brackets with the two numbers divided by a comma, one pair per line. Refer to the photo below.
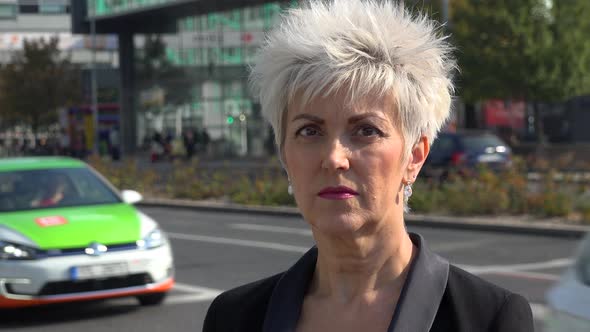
[464,151]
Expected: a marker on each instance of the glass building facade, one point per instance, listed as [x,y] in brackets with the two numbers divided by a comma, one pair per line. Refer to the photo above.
[210,55]
[98,8]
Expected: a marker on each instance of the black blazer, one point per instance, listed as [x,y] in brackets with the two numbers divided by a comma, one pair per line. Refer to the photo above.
[436,297]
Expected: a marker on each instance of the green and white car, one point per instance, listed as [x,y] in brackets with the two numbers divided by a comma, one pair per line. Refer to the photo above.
[66,235]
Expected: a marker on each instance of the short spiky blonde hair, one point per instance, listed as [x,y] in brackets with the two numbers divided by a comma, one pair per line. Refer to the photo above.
[367,47]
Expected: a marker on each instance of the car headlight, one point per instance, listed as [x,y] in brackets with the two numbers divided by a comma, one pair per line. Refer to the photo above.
[12,251]
[153,239]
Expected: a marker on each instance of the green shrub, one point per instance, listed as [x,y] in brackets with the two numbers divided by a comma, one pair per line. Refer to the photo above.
[127,175]
[425,197]
[263,190]
[481,193]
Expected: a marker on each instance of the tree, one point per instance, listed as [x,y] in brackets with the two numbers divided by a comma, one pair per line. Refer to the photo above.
[154,68]
[36,83]
[531,49]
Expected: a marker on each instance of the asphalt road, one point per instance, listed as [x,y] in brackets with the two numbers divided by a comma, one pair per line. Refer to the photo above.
[218,251]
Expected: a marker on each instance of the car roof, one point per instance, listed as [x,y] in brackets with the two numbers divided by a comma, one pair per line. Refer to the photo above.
[33,163]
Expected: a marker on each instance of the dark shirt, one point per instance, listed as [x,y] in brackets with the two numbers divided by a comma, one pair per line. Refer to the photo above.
[436,297]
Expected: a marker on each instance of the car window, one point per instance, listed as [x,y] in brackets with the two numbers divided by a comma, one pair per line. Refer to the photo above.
[50,188]
[443,146]
[480,142]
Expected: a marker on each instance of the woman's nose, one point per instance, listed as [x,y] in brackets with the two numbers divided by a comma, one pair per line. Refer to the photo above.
[336,157]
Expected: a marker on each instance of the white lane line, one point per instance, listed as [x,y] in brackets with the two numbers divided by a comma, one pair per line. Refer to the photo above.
[189,298]
[526,275]
[195,294]
[195,289]
[540,311]
[451,246]
[561,262]
[272,229]
[486,269]
[239,242]
[202,294]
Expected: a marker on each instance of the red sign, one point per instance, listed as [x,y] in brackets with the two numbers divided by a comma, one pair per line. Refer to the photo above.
[499,113]
[51,221]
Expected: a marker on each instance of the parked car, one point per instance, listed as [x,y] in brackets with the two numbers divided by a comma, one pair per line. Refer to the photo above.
[569,299]
[66,234]
[464,151]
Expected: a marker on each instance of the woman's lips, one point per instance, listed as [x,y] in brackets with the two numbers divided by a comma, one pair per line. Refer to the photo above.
[337,193]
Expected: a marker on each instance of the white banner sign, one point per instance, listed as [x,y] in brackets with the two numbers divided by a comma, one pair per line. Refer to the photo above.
[199,39]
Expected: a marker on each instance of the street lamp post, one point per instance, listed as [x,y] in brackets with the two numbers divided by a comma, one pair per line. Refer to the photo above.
[93,86]
[445,13]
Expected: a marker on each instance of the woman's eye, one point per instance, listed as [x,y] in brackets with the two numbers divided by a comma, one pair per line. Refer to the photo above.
[368,131]
[308,131]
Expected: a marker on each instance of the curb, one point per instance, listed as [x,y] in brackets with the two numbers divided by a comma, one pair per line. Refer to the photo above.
[444,222]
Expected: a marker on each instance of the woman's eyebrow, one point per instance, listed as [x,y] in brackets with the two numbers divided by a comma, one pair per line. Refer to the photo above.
[357,118]
[310,117]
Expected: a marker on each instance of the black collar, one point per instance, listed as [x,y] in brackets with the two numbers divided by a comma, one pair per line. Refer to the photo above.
[416,308]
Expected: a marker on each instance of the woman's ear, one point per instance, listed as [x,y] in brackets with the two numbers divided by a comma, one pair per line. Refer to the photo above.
[417,158]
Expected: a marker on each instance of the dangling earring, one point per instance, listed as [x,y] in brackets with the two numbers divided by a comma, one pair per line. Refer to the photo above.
[407,190]
[290,187]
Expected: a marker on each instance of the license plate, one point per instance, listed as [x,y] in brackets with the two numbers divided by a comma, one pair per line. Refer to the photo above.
[490,158]
[99,271]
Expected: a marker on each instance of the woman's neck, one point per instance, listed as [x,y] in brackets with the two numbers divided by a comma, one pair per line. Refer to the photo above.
[359,269]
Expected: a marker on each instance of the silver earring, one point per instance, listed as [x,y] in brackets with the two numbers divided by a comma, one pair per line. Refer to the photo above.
[290,189]
[407,190]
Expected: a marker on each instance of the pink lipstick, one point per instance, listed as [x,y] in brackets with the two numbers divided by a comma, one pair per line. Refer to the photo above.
[337,193]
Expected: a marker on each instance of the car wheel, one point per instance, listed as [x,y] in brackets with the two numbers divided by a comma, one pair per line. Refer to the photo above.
[151,299]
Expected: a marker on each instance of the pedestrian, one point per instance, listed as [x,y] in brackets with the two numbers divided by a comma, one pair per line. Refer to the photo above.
[356,91]
[115,143]
[189,143]
[79,145]
[64,143]
[205,139]
[157,147]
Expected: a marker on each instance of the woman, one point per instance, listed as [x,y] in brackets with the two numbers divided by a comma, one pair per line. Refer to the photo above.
[356,91]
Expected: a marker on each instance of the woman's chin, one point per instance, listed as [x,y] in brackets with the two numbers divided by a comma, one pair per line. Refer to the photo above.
[333,224]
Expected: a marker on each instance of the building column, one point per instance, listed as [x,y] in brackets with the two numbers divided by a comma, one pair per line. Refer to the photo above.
[128,111]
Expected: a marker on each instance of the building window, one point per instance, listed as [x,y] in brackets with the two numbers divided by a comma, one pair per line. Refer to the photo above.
[7,10]
[54,9]
[28,9]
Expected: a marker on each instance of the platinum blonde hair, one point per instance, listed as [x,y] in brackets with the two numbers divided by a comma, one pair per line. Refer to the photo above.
[370,48]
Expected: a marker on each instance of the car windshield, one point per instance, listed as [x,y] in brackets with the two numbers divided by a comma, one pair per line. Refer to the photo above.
[52,188]
[480,142]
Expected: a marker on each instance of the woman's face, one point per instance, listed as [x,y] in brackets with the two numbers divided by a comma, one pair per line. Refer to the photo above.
[345,163]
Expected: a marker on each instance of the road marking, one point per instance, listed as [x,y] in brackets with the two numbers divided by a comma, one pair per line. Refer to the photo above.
[202,294]
[451,246]
[239,242]
[540,311]
[526,275]
[561,262]
[515,270]
[195,294]
[272,229]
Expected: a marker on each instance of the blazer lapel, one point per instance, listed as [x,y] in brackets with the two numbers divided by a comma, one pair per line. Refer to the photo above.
[285,303]
[422,292]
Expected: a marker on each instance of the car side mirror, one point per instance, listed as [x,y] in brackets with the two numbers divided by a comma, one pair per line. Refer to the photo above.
[131,196]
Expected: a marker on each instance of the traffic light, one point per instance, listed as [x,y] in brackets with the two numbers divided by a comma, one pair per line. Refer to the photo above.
[230,119]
